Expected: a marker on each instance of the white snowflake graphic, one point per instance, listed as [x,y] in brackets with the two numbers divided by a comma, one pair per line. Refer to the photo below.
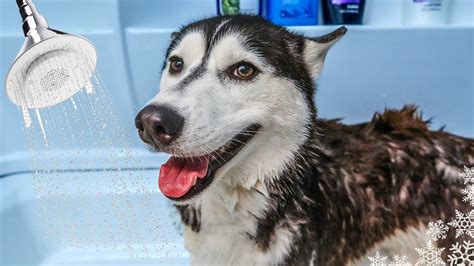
[378,260]
[464,223]
[429,255]
[469,194]
[400,261]
[461,254]
[468,175]
[437,230]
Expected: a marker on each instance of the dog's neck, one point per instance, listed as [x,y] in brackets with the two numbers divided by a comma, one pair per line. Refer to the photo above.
[249,206]
[273,169]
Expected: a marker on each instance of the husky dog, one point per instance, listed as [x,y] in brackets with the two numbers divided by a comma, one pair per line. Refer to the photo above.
[259,180]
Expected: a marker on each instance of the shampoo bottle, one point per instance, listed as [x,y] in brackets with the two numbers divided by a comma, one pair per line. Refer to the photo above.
[292,12]
[425,12]
[343,11]
[232,7]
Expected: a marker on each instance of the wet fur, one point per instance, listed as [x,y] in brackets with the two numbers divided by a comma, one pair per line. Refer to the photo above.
[361,184]
[345,189]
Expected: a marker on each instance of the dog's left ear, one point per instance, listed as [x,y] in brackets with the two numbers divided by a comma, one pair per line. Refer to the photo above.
[316,48]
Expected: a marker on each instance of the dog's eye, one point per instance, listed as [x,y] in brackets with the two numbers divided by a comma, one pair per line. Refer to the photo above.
[176,65]
[244,71]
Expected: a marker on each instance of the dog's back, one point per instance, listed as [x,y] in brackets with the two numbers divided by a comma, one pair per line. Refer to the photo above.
[396,177]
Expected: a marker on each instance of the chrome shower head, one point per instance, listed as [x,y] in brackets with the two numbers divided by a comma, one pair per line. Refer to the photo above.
[51,65]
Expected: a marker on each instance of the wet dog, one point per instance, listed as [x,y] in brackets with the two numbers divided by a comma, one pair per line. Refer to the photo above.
[258,179]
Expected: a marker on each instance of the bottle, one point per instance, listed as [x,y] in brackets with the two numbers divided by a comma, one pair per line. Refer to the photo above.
[292,12]
[343,11]
[425,12]
[232,7]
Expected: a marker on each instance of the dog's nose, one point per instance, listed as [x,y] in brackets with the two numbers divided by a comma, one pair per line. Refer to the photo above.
[158,124]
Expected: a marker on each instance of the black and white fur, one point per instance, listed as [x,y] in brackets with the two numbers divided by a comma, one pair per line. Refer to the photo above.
[302,191]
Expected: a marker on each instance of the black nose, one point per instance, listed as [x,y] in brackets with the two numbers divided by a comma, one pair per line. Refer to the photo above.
[158,124]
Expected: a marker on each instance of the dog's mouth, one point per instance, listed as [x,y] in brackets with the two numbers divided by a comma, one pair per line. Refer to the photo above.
[182,178]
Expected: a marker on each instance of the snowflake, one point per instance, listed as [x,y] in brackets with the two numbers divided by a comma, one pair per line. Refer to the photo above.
[400,261]
[429,255]
[469,192]
[464,223]
[437,230]
[461,254]
[468,175]
[378,260]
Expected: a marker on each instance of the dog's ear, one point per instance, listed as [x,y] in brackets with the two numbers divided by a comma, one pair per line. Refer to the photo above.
[316,48]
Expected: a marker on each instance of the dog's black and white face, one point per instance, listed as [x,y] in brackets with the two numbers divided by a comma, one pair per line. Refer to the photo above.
[235,103]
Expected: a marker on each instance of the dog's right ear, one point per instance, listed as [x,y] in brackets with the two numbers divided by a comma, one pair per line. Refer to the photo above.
[316,48]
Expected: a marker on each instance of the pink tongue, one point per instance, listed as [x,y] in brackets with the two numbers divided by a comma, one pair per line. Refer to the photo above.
[178,175]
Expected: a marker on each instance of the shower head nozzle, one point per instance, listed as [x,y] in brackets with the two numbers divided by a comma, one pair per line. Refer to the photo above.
[51,66]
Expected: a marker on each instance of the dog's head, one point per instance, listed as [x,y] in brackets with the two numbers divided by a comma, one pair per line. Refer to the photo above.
[235,102]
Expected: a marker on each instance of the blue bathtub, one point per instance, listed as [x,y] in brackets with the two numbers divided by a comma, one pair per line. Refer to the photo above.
[381,64]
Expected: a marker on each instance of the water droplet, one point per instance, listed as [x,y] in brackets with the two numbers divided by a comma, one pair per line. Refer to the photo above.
[73,103]
[89,88]
[43,132]
[26,117]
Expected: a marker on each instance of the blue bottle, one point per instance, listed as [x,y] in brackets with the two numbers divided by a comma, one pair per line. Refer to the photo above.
[344,11]
[292,12]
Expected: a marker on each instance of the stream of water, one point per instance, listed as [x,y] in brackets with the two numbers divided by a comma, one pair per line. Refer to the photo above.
[88,184]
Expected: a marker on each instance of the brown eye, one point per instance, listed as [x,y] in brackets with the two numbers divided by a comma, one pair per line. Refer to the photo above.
[176,65]
[244,71]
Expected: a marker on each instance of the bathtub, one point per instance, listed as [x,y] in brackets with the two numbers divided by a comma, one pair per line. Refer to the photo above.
[381,64]
[151,234]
